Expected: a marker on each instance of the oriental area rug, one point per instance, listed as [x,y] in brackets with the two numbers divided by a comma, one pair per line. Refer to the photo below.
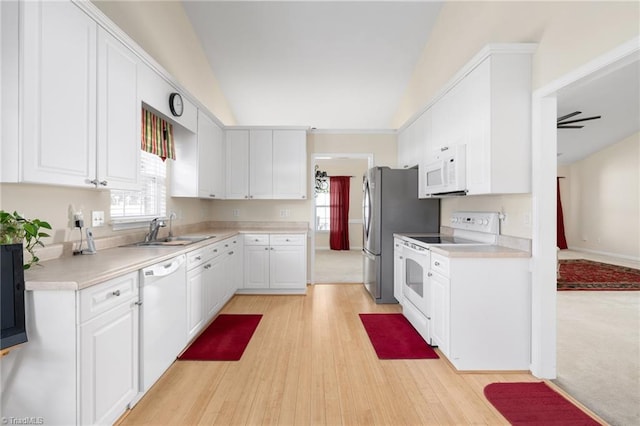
[581,274]
[535,404]
[224,340]
[393,337]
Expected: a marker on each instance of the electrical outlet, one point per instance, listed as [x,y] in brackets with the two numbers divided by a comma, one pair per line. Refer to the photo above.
[526,218]
[236,212]
[97,218]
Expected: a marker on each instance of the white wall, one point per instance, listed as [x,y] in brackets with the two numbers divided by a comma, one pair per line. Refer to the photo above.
[601,200]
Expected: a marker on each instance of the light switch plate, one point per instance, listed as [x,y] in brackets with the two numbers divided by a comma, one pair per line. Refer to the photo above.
[97,218]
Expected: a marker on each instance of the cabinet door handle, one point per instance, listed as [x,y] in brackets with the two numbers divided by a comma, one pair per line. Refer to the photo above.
[103,183]
[231,252]
[429,274]
[246,196]
[198,257]
[116,293]
[437,263]
[139,303]
[401,257]
[304,196]
[266,248]
[212,195]
[271,248]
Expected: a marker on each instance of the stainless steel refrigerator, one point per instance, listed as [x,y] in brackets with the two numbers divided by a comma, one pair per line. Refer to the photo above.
[391,205]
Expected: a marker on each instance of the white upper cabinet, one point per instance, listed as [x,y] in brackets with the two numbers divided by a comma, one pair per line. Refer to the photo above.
[118,114]
[210,158]
[80,110]
[498,98]
[261,164]
[488,109]
[413,140]
[59,94]
[237,172]
[198,170]
[290,164]
[266,164]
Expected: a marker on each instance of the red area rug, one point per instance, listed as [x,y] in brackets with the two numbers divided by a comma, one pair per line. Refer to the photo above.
[224,340]
[535,404]
[581,274]
[393,337]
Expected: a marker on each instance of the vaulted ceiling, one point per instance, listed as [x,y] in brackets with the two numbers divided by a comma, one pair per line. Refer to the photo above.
[336,65]
[345,65]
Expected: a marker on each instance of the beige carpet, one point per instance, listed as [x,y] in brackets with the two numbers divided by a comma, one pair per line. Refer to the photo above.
[598,359]
[333,266]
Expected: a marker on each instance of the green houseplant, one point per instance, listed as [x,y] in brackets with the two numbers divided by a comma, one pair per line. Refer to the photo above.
[14,229]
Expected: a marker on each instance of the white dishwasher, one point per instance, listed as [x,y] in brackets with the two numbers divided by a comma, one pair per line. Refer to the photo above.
[163,320]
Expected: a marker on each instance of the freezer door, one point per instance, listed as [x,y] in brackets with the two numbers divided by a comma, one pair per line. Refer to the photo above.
[371,268]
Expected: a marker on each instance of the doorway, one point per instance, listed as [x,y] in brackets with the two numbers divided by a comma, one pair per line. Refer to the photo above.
[550,310]
[338,266]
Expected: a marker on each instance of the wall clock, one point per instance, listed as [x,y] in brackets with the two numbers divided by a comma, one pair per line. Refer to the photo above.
[175,104]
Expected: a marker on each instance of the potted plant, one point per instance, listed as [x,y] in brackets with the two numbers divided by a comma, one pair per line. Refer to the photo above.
[16,229]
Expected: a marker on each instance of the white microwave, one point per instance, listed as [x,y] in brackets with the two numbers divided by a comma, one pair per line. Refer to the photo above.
[445,172]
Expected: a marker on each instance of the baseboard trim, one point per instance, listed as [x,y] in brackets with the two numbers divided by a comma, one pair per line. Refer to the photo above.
[605,253]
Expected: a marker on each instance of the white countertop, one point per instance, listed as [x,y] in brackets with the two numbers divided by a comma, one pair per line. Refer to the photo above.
[82,271]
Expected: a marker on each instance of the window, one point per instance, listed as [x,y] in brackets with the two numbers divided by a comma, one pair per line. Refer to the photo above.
[150,201]
[322,210]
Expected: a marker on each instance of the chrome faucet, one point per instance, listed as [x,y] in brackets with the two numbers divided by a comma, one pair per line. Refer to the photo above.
[154,226]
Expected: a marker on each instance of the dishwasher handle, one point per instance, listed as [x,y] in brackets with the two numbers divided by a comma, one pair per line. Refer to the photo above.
[163,269]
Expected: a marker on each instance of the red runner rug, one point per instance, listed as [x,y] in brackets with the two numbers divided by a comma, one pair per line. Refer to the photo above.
[393,337]
[582,274]
[224,340]
[535,404]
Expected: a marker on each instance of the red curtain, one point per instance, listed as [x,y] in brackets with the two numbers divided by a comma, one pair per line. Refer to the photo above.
[561,239]
[339,212]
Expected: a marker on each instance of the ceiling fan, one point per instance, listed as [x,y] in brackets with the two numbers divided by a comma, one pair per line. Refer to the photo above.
[562,124]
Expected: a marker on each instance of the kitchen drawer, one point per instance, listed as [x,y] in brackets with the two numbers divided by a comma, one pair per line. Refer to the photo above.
[288,239]
[215,250]
[256,239]
[196,257]
[102,297]
[440,264]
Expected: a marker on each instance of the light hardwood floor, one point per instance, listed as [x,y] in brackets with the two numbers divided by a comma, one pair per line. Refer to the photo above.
[310,362]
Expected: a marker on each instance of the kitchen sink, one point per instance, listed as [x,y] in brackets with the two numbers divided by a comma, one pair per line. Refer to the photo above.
[184,240]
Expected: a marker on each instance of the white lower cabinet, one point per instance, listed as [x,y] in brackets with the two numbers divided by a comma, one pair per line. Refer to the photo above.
[398,270]
[214,273]
[480,318]
[275,263]
[108,364]
[440,311]
[82,353]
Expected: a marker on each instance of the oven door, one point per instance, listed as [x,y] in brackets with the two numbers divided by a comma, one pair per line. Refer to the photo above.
[415,285]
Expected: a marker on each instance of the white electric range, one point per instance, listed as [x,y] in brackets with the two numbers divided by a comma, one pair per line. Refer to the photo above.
[413,266]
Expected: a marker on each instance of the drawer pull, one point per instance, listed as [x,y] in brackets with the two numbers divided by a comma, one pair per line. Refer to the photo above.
[266,248]
[139,303]
[429,274]
[287,240]
[198,257]
[437,263]
[231,252]
[116,293]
